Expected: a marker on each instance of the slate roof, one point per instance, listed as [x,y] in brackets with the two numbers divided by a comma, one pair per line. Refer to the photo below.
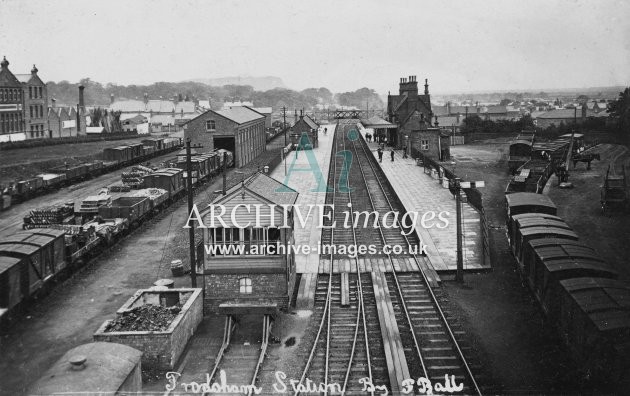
[377,123]
[155,106]
[565,114]
[265,187]
[239,114]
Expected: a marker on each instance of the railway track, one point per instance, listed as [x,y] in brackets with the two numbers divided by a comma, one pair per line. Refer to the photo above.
[347,346]
[431,345]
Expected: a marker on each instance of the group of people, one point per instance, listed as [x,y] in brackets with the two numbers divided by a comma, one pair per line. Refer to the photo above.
[381,149]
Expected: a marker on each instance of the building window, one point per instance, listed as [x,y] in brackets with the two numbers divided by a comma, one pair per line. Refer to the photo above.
[245,285]
[40,92]
[211,126]
[30,92]
[424,145]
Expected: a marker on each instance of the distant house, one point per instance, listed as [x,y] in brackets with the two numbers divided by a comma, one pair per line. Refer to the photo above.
[62,121]
[162,115]
[131,124]
[240,130]
[565,116]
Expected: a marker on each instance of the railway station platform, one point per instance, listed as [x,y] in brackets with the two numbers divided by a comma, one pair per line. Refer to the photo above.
[303,183]
[420,192]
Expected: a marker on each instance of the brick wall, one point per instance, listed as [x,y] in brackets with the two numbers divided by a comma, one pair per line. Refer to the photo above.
[222,288]
[250,137]
[160,350]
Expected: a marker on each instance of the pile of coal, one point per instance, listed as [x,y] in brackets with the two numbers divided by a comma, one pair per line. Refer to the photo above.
[145,318]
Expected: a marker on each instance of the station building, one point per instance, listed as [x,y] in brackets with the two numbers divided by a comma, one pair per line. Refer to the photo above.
[261,277]
[240,130]
[307,125]
[415,127]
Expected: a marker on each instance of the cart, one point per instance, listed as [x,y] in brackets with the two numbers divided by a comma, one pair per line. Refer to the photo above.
[613,193]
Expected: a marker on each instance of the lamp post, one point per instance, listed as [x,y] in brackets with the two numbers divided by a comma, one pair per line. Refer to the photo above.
[406,146]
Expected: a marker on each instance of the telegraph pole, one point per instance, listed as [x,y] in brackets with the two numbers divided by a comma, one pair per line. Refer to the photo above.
[459,275]
[284,124]
[191,230]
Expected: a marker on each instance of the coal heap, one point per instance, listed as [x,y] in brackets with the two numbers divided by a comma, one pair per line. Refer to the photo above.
[145,318]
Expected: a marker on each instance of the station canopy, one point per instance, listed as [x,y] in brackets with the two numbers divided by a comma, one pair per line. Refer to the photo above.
[376,122]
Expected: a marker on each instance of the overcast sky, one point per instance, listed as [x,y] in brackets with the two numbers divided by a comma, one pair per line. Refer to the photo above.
[459,46]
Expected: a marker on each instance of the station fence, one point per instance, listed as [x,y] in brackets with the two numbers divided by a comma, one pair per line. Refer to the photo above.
[473,196]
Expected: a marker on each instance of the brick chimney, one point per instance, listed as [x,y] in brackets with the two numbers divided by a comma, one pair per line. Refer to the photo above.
[409,85]
[81,98]
[426,86]
[146,98]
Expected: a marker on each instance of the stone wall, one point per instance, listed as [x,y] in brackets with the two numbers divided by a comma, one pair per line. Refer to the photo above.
[160,350]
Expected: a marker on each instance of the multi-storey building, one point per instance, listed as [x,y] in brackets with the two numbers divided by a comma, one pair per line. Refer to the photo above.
[35,104]
[11,105]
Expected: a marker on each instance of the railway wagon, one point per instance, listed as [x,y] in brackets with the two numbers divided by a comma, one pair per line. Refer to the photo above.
[523,202]
[594,323]
[520,153]
[520,223]
[120,154]
[52,180]
[156,143]
[169,179]
[72,172]
[30,186]
[511,232]
[538,232]
[136,150]
[226,158]
[41,255]
[552,264]
[130,208]
[98,368]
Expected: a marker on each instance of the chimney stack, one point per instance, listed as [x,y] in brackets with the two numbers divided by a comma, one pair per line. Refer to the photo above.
[146,98]
[81,98]
[426,86]
[34,70]
[111,99]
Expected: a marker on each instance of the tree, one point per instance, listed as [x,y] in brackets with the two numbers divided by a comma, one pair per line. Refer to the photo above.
[620,109]
[505,102]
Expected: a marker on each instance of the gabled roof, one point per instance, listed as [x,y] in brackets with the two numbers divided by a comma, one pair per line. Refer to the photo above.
[377,123]
[565,114]
[265,187]
[7,79]
[309,121]
[239,114]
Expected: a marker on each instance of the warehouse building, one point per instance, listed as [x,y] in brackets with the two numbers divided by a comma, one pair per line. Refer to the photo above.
[240,130]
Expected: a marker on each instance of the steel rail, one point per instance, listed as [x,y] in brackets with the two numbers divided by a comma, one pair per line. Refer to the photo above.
[433,297]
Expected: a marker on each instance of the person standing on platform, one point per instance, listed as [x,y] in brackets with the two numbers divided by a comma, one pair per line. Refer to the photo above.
[392,153]
[405,152]
[380,154]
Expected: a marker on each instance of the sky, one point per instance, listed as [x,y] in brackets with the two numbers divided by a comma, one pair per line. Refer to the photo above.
[460,46]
